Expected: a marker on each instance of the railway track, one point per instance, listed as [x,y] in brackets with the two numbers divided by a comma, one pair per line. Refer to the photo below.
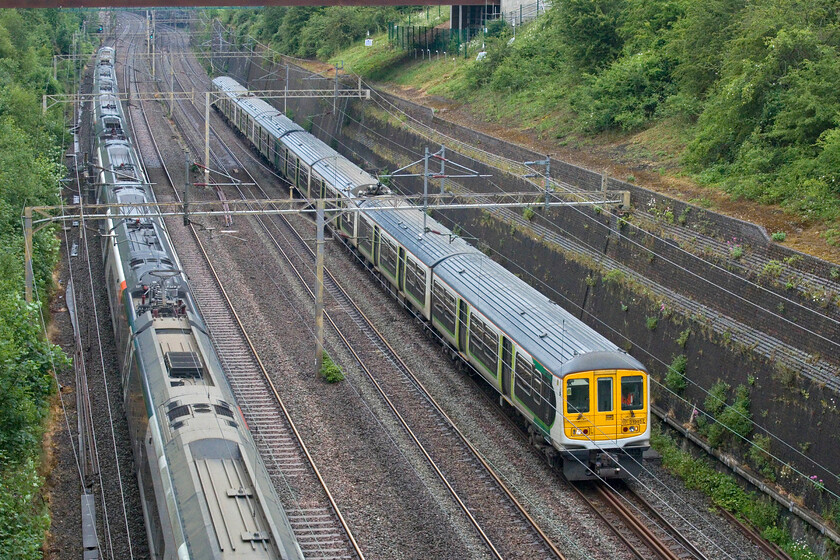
[317,522]
[663,543]
[645,532]
[481,495]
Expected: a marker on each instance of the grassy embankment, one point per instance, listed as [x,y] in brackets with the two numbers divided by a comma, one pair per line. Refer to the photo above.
[731,101]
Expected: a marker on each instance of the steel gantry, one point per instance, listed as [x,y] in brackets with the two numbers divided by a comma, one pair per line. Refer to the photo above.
[37,217]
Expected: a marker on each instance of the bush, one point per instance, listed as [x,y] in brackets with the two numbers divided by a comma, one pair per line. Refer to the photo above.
[30,169]
[652,323]
[614,276]
[627,95]
[675,378]
[779,236]
[759,454]
[682,340]
[330,371]
[731,420]
[528,213]
[772,269]
[23,514]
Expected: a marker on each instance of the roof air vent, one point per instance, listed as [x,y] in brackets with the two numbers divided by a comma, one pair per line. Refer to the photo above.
[183,364]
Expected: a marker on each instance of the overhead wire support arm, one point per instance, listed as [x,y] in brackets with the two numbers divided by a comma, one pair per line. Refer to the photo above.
[50,100]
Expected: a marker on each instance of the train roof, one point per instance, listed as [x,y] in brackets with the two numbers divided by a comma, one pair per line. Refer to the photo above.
[325,161]
[557,339]
[405,222]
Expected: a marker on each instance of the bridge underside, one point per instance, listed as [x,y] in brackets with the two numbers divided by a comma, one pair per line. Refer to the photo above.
[223,3]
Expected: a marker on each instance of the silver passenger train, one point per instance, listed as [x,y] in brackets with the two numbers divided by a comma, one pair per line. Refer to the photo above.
[205,491]
[586,399]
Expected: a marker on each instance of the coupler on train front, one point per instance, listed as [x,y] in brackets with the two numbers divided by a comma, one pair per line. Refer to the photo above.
[594,464]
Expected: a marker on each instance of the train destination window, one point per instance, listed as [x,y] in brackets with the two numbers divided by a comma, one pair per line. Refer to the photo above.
[577,396]
[605,394]
[632,389]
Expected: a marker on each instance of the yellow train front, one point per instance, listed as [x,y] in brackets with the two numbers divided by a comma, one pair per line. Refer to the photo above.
[602,427]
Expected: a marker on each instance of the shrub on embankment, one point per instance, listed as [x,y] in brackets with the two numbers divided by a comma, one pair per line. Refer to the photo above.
[752,85]
[30,169]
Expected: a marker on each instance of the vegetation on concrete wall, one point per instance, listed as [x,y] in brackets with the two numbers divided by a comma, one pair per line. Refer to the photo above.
[30,167]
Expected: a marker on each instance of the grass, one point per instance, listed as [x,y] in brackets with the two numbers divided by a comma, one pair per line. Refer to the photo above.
[725,493]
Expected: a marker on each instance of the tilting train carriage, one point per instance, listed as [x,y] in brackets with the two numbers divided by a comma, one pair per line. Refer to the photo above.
[586,399]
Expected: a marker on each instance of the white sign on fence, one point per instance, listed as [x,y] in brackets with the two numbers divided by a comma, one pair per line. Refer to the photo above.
[368,42]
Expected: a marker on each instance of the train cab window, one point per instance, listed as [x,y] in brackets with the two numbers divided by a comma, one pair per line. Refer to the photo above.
[632,392]
[605,394]
[577,396]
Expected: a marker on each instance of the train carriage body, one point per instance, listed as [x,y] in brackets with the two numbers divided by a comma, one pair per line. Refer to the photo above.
[584,397]
[204,490]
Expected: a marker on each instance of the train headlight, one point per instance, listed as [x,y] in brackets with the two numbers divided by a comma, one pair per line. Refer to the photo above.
[580,431]
[630,429]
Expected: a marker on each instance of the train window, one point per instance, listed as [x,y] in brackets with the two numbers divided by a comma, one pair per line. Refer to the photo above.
[605,394]
[524,377]
[388,257]
[443,306]
[577,396]
[415,280]
[632,392]
[484,343]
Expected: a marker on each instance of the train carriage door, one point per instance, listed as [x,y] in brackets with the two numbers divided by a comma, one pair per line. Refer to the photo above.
[507,367]
[401,269]
[376,246]
[606,409]
[463,317]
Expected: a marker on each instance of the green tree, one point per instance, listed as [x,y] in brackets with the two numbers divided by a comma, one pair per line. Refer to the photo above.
[590,31]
